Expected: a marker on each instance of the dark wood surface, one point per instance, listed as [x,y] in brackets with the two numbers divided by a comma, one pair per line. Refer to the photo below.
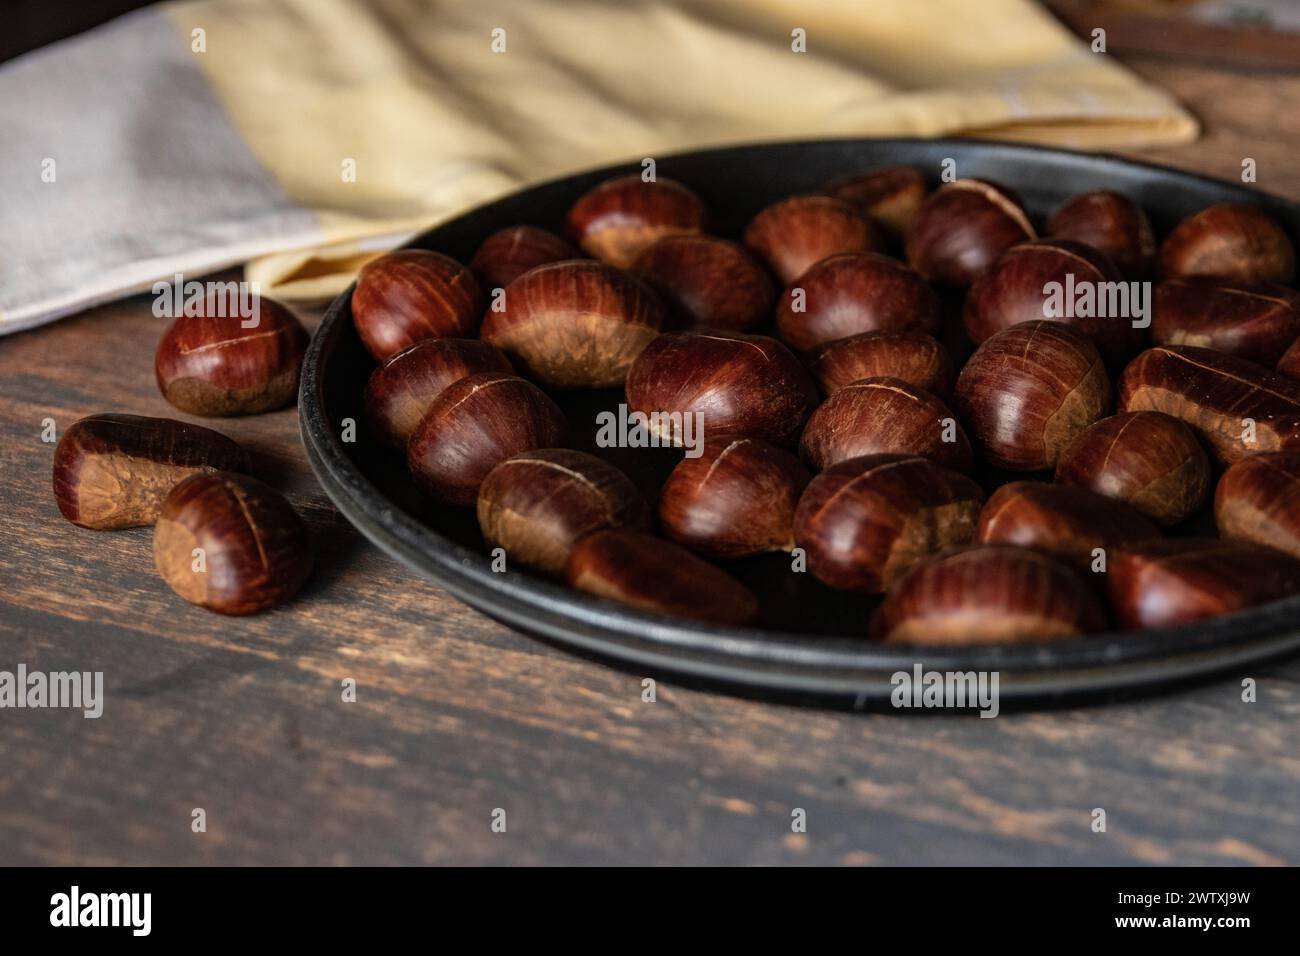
[456,715]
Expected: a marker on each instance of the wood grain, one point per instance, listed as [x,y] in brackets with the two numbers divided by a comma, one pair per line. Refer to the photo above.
[456,715]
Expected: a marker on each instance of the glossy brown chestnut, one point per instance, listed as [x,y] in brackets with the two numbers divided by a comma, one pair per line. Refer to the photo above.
[658,576]
[1231,241]
[884,416]
[891,196]
[230,544]
[989,594]
[866,521]
[411,295]
[736,499]
[473,425]
[1237,407]
[1029,390]
[1256,322]
[401,390]
[1258,499]
[1289,364]
[916,358]
[211,364]
[113,471]
[508,253]
[538,504]
[1068,523]
[1148,459]
[1111,223]
[1176,580]
[707,281]
[794,233]
[621,217]
[1015,289]
[738,383]
[963,227]
[575,324]
[854,292]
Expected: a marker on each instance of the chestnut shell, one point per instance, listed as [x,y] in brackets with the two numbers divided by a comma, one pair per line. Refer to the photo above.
[707,281]
[865,521]
[963,227]
[658,576]
[740,384]
[114,471]
[853,292]
[256,551]
[797,232]
[883,416]
[1258,500]
[575,324]
[988,594]
[1256,322]
[891,196]
[1231,241]
[538,504]
[1029,390]
[1215,394]
[508,253]
[735,500]
[410,295]
[1151,460]
[915,357]
[209,364]
[1111,223]
[621,217]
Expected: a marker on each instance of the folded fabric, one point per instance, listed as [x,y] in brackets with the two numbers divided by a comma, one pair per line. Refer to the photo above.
[301,136]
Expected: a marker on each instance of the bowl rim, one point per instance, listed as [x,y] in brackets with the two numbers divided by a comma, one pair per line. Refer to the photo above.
[778,661]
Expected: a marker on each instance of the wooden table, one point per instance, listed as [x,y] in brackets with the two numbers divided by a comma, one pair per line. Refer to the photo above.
[456,716]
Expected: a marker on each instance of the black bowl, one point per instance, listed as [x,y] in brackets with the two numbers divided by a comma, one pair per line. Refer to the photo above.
[813,644]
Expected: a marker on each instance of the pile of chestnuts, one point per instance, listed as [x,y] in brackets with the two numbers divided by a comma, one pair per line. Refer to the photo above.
[222,539]
[884,396]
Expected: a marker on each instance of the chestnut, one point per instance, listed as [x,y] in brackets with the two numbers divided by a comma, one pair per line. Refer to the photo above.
[1289,364]
[400,391]
[1176,580]
[216,365]
[536,505]
[411,295]
[736,499]
[508,253]
[1257,322]
[707,281]
[963,227]
[1236,242]
[1258,499]
[916,358]
[1066,522]
[890,196]
[1029,390]
[113,471]
[1148,459]
[619,218]
[866,521]
[473,425]
[230,544]
[1237,407]
[1111,223]
[884,415]
[794,233]
[658,576]
[989,594]
[575,324]
[1015,289]
[853,292]
[738,383]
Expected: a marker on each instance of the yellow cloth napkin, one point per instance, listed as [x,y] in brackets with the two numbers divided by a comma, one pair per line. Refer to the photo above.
[301,137]
[443,105]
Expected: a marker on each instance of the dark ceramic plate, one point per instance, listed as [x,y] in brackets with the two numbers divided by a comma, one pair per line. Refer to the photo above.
[812,644]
